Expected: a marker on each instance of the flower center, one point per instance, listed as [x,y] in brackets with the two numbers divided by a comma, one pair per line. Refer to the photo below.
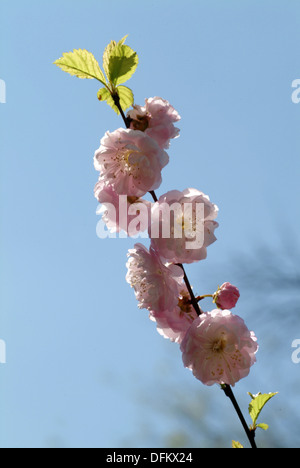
[141,123]
[184,303]
[131,200]
[219,345]
[186,222]
[126,155]
[129,160]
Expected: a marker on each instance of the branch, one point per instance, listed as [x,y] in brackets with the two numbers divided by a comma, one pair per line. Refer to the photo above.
[250,434]
[116,99]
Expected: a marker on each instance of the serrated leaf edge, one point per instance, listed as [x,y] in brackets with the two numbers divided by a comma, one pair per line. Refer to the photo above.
[77,52]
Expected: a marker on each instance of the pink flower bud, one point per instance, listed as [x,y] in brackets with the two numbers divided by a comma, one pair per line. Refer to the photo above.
[227,296]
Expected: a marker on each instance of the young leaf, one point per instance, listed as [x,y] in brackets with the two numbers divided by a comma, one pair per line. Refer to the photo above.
[123,40]
[257,404]
[82,64]
[107,52]
[119,62]
[122,64]
[236,444]
[105,95]
[126,96]
[263,426]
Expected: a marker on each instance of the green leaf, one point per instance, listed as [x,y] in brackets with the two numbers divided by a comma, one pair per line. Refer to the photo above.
[263,426]
[107,52]
[105,95]
[82,64]
[257,404]
[122,64]
[125,96]
[119,62]
[236,445]
[123,39]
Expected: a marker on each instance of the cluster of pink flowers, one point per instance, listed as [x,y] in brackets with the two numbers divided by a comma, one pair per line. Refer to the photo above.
[130,162]
[217,346]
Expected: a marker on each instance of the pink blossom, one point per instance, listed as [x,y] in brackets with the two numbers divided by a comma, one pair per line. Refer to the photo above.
[156,119]
[120,212]
[130,161]
[182,225]
[173,323]
[226,296]
[155,283]
[219,348]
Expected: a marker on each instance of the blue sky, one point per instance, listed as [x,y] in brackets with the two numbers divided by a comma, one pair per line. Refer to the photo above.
[78,349]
